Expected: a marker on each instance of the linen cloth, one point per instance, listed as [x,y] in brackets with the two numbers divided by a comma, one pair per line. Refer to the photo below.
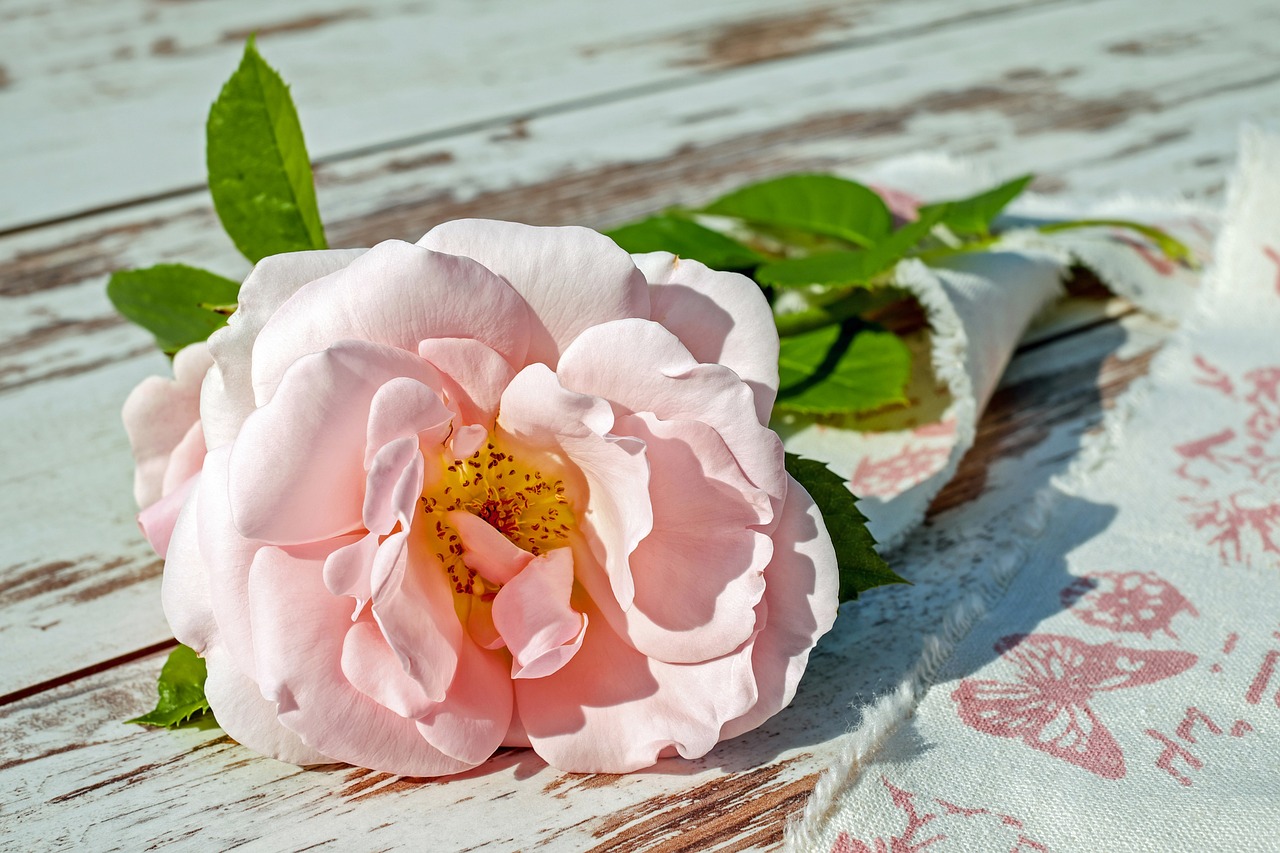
[1115,683]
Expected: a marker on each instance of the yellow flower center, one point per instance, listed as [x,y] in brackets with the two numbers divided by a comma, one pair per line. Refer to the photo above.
[529,509]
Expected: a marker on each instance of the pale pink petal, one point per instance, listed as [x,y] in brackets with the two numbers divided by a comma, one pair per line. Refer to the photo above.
[389,565]
[347,569]
[227,398]
[299,629]
[396,294]
[534,616]
[250,719]
[393,485]
[474,717]
[467,440]
[474,376]
[157,414]
[702,546]
[157,520]
[538,414]
[613,710]
[654,372]
[495,557]
[373,669]
[801,585]
[722,317]
[480,625]
[185,461]
[572,278]
[401,408]
[297,472]
[184,589]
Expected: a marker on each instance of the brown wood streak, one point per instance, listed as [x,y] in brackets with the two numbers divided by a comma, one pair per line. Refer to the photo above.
[1020,416]
[308,22]
[76,579]
[729,813]
[758,39]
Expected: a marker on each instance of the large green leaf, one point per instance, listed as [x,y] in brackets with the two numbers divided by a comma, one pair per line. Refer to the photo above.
[860,567]
[178,304]
[259,173]
[181,692]
[846,369]
[687,239]
[974,215]
[822,204]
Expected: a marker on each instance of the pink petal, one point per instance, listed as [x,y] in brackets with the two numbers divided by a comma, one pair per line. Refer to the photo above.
[533,614]
[474,717]
[157,414]
[396,294]
[540,415]
[347,569]
[474,376]
[250,719]
[700,573]
[654,372]
[373,669]
[401,408]
[801,598]
[480,625]
[297,472]
[612,710]
[393,485]
[493,555]
[722,317]
[185,461]
[157,520]
[227,398]
[572,278]
[184,589]
[300,629]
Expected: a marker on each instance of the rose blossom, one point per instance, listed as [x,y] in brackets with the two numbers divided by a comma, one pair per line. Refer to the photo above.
[162,418]
[506,486]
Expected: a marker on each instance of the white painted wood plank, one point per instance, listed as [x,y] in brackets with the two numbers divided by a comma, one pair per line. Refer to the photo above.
[105,101]
[80,780]
[67,365]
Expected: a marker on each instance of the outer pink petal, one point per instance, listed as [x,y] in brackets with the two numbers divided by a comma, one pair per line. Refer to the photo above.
[157,520]
[373,669]
[533,614]
[300,628]
[539,414]
[246,716]
[227,397]
[297,472]
[396,294]
[475,716]
[157,414]
[700,573]
[185,461]
[722,317]
[184,590]
[801,598]
[474,376]
[612,710]
[572,278]
[642,367]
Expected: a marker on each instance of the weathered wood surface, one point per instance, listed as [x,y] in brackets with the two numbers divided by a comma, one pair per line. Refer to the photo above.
[620,116]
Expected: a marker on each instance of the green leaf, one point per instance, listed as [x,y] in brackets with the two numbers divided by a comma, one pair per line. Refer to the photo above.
[181,689]
[842,269]
[846,369]
[687,239]
[860,567]
[975,214]
[178,304]
[822,204]
[259,173]
[1172,248]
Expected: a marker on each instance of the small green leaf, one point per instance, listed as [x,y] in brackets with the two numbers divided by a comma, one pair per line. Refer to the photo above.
[860,567]
[822,204]
[1172,248]
[178,304]
[687,239]
[259,173]
[181,690]
[846,369]
[975,214]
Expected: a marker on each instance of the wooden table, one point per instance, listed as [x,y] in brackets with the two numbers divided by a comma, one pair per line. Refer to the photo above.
[549,112]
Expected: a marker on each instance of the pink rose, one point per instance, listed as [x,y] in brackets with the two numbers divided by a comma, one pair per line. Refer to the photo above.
[162,419]
[507,486]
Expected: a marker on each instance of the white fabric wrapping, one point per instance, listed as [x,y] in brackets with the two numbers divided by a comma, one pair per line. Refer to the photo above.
[1114,681]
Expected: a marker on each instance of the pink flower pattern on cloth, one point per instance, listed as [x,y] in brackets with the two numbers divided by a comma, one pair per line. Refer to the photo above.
[505,486]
